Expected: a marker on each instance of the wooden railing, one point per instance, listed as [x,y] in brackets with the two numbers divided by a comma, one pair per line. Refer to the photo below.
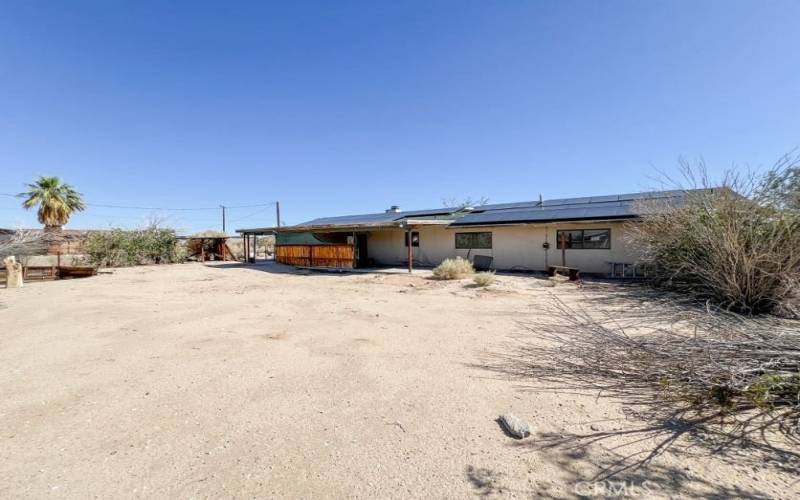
[315,255]
[49,273]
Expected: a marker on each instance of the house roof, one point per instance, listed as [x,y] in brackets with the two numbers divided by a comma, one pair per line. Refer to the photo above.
[382,219]
[378,218]
[620,206]
[617,206]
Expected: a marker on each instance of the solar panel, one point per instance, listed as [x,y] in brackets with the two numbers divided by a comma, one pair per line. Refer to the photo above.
[559,209]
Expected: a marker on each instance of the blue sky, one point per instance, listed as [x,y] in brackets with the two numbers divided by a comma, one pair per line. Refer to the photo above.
[347,107]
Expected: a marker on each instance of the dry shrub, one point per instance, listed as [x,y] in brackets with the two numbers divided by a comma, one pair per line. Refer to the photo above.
[484,278]
[714,363]
[20,242]
[453,269]
[737,245]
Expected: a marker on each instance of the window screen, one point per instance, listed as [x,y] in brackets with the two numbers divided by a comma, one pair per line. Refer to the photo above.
[474,240]
[584,239]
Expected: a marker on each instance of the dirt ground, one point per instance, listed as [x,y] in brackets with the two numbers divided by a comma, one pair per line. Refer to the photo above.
[193,381]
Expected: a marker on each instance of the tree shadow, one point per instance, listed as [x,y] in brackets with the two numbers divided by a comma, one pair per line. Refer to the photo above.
[582,473]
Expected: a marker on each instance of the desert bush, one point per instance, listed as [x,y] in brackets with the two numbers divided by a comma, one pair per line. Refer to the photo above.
[119,247]
[484,278]
[714,363]
[453,269]
[737,245]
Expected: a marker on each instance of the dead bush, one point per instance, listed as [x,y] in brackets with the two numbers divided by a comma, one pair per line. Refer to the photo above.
[484,278]
[737,244]
[20,242]
[453,269]
[668,358]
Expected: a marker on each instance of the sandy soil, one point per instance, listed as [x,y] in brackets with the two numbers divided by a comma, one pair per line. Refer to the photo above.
[193,381]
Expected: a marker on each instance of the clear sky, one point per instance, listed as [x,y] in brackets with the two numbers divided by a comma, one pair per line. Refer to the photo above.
[348,107]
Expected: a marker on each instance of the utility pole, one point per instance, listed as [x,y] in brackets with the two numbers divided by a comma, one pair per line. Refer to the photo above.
[223,217]
[278,213]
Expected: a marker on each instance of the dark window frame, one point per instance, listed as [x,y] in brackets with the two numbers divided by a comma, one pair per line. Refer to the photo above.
[414,239]
[570,244]
[473,240]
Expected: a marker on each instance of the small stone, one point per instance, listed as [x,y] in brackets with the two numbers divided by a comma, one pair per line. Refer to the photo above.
[515,426]
[594,427]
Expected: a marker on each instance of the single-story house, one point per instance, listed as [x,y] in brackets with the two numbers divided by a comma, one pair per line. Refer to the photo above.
[585,233]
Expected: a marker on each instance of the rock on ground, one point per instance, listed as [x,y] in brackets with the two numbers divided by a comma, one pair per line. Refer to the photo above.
[515,426]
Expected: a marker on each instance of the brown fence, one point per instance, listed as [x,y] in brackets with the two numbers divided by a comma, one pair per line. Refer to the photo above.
[315,255]
[49,273]
[35,273]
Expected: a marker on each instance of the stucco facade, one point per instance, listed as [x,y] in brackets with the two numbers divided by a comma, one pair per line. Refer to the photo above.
[514,247]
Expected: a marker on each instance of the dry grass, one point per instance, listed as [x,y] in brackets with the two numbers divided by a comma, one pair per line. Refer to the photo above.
[670,357]
[20,241]
[453,269]
[484,278]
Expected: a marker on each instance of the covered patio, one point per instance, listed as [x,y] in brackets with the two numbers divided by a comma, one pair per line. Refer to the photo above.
[345,242]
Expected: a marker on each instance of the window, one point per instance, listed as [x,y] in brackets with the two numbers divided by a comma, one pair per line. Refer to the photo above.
[474,240]
[585,239]
[414,238]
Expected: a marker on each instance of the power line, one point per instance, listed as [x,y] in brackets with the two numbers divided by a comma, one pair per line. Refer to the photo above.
[178,209]
[251,214]
[166,209]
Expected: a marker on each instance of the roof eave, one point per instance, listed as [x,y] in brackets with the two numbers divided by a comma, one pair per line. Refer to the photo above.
[348,227]
[259,230]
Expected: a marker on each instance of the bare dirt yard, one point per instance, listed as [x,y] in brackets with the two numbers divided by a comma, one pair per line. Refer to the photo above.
[193,381]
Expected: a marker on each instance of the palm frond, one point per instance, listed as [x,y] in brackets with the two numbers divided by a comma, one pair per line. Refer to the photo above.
[57,201]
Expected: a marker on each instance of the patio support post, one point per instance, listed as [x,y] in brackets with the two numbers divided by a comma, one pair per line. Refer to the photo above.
[355,250]
[410,249]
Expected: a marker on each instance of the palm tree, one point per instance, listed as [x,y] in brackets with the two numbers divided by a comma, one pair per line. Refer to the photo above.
[56,200]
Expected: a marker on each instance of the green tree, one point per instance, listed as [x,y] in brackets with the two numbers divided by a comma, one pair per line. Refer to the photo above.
[56,200]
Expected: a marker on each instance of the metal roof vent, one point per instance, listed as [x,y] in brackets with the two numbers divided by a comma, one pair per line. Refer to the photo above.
[393,209]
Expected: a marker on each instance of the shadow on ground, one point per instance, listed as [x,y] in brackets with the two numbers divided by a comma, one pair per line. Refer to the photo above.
[645,456]
[582,475]
[278,268]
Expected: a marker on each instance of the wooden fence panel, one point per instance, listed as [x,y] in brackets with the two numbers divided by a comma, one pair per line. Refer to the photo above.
[293,255]
[315,255]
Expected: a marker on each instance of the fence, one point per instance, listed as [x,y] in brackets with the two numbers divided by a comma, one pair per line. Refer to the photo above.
[315,255]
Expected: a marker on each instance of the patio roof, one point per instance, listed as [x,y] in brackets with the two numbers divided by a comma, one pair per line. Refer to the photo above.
[389,219]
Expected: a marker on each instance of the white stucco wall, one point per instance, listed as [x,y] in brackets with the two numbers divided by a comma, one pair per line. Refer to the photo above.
[513,247]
